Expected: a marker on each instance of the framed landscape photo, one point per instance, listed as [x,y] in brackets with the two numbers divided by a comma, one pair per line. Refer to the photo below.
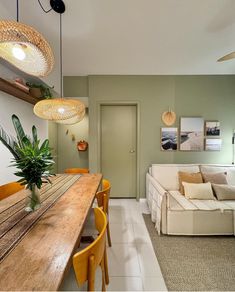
[212,128]
[169,139]
[191,134]
[213,144]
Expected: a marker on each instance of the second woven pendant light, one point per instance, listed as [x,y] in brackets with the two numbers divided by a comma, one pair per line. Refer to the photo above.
[61,110]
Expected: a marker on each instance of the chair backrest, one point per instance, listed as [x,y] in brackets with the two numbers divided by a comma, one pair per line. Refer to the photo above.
[76,170]
[95,249]
[10,189]
[103,196]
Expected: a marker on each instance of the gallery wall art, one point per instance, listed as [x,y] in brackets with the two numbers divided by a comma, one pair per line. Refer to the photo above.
[212,128]
[169,139]
[191,134]
[213,144]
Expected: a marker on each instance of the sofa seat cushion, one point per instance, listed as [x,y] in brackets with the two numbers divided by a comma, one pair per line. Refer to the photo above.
[178,202]
[229,169]
[167,174]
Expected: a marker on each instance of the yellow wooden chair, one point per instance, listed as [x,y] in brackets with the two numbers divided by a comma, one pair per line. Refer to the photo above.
[102,198]
[76,170]
[10,189]
[86,261]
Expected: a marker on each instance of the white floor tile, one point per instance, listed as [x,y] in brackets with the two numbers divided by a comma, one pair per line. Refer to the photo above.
[121,232]
[125,284]
[140,233]
[123,260]
[118,214]
[136,217]
[154,284]
[148,262]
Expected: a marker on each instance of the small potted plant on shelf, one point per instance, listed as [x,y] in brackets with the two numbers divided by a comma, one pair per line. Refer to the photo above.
[39,90]
[33,161]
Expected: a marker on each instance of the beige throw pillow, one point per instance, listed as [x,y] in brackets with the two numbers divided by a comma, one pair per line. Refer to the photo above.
[190,178]
[198,191]
[215,178]
[224,192]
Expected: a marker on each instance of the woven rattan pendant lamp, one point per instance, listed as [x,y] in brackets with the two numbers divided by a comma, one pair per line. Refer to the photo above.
[25,48]
[61,110]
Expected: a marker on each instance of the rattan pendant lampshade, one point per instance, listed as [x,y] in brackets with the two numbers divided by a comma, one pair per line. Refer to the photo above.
[60,110]
[74,120]
[25,48]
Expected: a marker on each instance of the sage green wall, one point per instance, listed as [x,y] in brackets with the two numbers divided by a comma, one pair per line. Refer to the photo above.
[75,86]
[68,155]
[212,97]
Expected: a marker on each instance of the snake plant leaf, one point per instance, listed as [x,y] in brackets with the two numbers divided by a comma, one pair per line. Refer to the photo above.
[26,141]
[18,128]
[44,145]
[35,135]
[9,142]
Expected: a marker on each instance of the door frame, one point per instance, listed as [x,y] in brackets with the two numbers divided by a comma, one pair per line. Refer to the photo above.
[113,103]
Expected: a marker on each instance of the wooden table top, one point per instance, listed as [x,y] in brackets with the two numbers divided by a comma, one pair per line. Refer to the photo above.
[43,256]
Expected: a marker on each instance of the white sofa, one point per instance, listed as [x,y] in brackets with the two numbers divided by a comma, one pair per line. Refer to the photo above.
[176,215]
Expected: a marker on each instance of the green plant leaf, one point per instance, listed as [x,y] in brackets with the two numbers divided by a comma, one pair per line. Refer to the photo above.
[18,128]
[35,135]
[9,142]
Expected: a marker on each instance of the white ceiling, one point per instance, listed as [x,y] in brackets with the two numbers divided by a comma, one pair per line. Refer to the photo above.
[137,36]
[148,36]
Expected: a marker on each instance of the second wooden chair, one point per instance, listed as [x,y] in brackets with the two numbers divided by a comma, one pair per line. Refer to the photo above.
[86,261]
[102,198]
[76,170]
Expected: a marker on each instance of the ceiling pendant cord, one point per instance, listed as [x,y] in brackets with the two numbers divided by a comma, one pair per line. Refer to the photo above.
[17,10]
[61,59]
[46,11]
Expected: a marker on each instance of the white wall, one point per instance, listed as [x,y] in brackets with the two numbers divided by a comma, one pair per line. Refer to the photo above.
[11,105]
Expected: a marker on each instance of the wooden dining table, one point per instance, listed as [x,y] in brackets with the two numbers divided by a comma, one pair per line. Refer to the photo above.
[36,248]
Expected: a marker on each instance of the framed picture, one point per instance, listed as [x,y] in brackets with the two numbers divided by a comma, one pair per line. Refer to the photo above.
[213,144]
[191,134]
[212,128]
[169,139]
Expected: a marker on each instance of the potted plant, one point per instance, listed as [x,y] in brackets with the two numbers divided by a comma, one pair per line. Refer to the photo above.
[33,161]
[39,90]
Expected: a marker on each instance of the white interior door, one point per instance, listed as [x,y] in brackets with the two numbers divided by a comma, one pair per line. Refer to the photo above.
[118,148]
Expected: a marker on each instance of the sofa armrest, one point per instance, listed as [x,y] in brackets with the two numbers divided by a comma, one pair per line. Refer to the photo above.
[156,199]
[157,185]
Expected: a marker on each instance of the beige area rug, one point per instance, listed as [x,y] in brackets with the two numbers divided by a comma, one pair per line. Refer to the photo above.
[195,263]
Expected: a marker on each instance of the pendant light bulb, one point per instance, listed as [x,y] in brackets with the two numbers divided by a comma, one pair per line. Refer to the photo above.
[18,53]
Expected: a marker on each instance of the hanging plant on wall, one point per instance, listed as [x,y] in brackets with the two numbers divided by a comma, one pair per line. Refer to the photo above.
[33,161]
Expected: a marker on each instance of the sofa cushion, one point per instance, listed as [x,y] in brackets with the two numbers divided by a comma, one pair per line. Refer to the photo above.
[215,178]
[178,202]
[224,192]
[229,169]
[188,177]
[167,174]
[198,191]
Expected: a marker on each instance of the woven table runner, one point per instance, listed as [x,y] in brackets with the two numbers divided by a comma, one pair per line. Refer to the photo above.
[15,222]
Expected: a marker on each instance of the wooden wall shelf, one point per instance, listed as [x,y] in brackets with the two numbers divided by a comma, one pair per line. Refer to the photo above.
[13,90]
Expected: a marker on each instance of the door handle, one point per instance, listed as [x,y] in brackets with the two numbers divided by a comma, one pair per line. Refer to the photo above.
[132,151]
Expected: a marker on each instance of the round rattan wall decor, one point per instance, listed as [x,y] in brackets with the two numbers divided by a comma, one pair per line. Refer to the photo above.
[169,117]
